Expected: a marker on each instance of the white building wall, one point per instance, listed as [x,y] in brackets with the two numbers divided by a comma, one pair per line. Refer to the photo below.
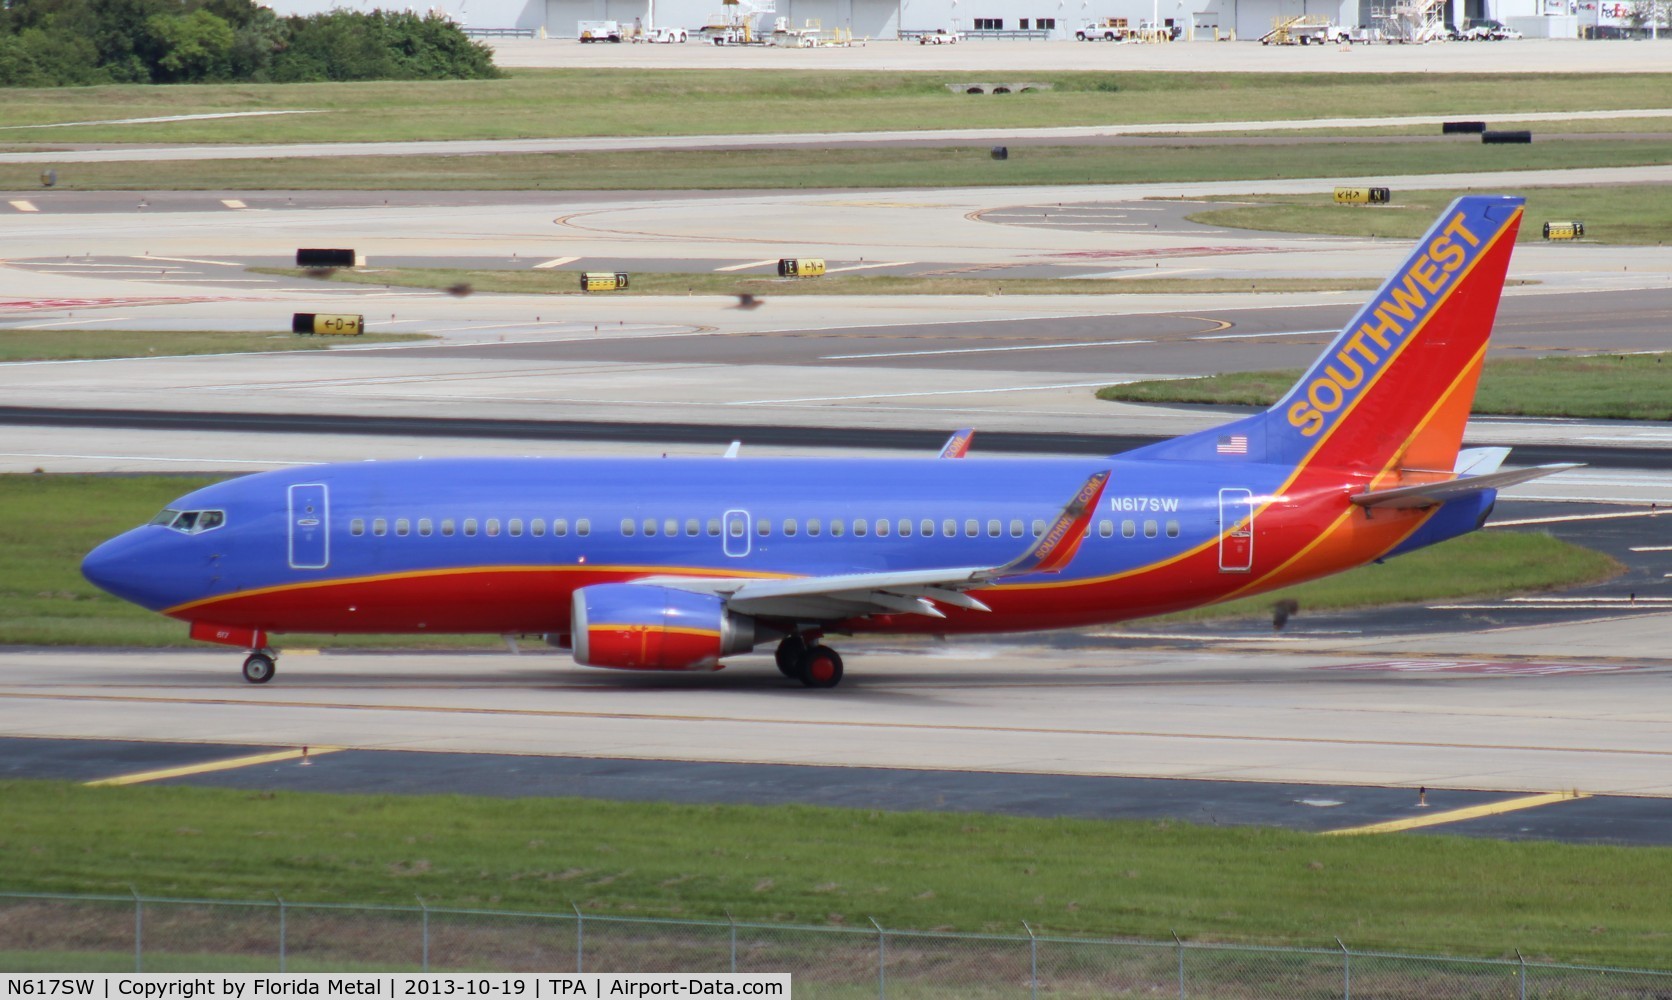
[874,18]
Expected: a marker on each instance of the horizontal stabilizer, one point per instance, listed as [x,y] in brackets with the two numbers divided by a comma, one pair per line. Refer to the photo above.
[1434,494]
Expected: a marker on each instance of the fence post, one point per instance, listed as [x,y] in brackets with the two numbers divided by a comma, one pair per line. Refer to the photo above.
[1033,963]
[1180,945]
[1521,991]
[139,931]
[282,948]
[733,922]
[1346,971]
[882,959]
[580,939]
[426,931]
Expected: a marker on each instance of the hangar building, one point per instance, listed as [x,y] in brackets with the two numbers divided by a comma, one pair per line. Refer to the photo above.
[1248,19]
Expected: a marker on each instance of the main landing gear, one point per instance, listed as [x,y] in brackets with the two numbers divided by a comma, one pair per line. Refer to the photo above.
[260,666]
[813,664]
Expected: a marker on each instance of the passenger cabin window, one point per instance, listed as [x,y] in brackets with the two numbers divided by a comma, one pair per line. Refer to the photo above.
[1149,529]
[763,527]
[736,528]
[537,527]
[1038,528]
[513,527]
[838,528]
[692,528]
[1129,529]
[426,527]
[972,527]
[357,526]
[380,526]
[649,526]
[583,527]
[470,527]
[949,528]
[403,527]
[903,527]
[1106,529]
[1015,527]
[994,530]
[670,527]
[628,528]
[1172,529]
[714,527]
[492,527]
[814,527]
[789,527]
[447,527]
[560,526]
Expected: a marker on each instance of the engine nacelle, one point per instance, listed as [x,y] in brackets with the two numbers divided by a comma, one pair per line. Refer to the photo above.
[629,626]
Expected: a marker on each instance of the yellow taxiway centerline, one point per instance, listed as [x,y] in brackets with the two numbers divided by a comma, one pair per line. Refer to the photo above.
[1458,815]
[230,764]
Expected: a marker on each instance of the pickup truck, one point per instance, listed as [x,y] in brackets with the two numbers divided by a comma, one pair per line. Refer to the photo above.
[940,36]
[1109,29]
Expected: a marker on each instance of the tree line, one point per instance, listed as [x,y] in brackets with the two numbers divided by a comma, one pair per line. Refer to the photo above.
[47,43]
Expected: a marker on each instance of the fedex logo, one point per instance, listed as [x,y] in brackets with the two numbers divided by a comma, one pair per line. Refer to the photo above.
[1399,311]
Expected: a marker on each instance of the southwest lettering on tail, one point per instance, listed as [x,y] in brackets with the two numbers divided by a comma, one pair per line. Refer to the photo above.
[1399,308]
[685,563]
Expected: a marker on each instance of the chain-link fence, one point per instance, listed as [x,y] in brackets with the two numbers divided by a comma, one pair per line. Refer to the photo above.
[58,933]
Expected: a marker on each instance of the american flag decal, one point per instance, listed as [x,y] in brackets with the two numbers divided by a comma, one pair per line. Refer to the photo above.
[1234,444]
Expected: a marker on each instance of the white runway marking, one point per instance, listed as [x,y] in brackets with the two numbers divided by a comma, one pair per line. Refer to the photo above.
[745,267]
[170,118]
[147,458]
[24,206]
[233,203]
[70,322]
[1651,548]
[1578,517]
[190,260]
[867,267]
[555,262]
[938,392]
[982,350]
[1256,336]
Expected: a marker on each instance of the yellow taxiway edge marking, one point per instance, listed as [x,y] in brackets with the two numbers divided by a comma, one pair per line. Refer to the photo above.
[1458,815]
[231,763]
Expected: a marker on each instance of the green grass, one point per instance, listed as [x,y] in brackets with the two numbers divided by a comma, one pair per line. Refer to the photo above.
[868,167]
[1612,213]
[842,866]
[58,345]
[1500,562]
[579,102]
[48,523]
[1603,386]
[554,282]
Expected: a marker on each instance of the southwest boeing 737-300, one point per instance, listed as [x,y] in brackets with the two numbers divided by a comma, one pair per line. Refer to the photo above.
[679,563]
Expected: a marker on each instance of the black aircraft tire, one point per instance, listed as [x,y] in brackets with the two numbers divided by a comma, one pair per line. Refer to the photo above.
[259,668]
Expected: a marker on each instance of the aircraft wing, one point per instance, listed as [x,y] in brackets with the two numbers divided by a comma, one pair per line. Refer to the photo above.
[1433,494]
[915,592]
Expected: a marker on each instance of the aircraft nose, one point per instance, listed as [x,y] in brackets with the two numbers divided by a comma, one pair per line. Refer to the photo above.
[117,568]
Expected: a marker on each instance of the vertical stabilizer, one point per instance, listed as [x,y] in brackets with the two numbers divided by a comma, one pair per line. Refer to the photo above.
[1393,390]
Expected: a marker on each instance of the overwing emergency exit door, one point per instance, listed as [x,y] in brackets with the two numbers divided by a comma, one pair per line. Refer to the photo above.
[1236,530]
[737,533]
[310,526]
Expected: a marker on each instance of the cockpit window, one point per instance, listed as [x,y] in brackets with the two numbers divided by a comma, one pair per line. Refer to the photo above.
[191,522]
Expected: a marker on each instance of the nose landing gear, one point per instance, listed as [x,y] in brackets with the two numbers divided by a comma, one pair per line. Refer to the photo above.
[260,666]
